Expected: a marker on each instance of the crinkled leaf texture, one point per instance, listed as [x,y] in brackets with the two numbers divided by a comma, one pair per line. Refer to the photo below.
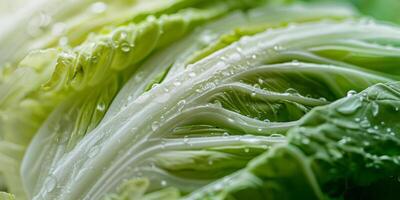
[345,148]
[97,69]
[195,99]
[210,119]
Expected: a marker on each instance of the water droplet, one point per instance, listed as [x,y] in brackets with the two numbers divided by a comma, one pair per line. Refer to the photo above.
[98,7]
[365,123]
[357,119]
[123,35]
[235,57]
[38,23]
[162,144]
[246,150]
[217,103]
[93,151]
[101,107]
[366,21]
[125,47]
[220,64]
[94,59]
[305,141]
[239,49]
[295,62]
[291,91]
[226,73]
[58,28]
[364,96]
[259,129]
[374,108]
[181,105]
[162,98]
[344,140]
[209,85]
[45,19]
[218,187]
[151,18]
[50,183]
[225,134]
[155,125]
[351,93]
[153,165]
[371,130]
[154,85]
[63,41]
[253,93]
[278,48]
[56,127]
[292,25]
[177,83]
[192,74]
[206,37]
[350,107]
[238,138]
[186,139]
[163,183]
[275,135]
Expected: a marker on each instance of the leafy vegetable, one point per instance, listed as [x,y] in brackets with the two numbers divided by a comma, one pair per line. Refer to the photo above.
[6,196]
[351,142]
[192,99]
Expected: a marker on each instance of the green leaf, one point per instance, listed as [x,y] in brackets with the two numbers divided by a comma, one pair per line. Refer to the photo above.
[220,99]
[201,119]
[6,196]
[350,143]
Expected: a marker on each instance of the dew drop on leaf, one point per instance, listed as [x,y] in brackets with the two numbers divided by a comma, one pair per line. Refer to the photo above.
[50,183]
[192,74]
[163,183]
[177,83]
[275,135]
[98,7]
[365,123]
[125,48]
[155,125]
[94,151]
[186,139]
[101,107]
[181,105]
[374,108]
[351,93]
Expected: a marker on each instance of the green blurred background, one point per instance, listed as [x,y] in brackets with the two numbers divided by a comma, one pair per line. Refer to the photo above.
[387,10]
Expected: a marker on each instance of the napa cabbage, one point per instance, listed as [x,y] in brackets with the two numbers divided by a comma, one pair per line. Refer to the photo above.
[189,99]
